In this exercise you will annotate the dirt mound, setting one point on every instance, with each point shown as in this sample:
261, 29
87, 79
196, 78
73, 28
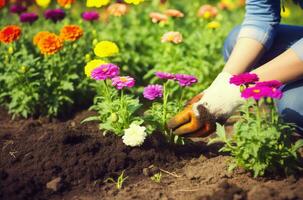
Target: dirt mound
40, 159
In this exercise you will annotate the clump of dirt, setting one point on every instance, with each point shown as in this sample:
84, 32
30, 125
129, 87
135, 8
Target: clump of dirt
41, 159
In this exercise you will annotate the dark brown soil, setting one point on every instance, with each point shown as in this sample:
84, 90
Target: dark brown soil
34, 152
37, 153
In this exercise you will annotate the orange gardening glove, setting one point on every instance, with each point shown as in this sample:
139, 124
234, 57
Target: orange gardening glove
190, 124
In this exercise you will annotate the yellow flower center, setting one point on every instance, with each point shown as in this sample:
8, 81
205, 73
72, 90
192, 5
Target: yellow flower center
256, 91
105, 69
123, 79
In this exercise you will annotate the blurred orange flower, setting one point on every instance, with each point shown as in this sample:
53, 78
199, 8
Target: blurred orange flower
50, 44
174, 37
65, 3
10, 33
38, 36
71, 32
158, 17
207, 11
173, 13
117, 9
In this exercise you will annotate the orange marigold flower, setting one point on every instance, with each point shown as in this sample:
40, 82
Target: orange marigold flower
40, 35
50, 44
158, 17
65, 3
117, 9
173, 13
71, 32
10, 33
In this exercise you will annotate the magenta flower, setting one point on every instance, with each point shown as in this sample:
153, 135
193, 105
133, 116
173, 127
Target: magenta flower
123, 81
105, 71
185, 80
17, 9
165, 75
244, 79
151, 92
55, 14
258, 92
28, 17
272, 84
90, 16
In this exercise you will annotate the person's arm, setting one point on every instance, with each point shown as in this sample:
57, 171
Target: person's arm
256, 35
287, 67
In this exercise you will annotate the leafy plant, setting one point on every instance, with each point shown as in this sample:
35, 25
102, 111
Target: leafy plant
261, 141
119, 182
156, 177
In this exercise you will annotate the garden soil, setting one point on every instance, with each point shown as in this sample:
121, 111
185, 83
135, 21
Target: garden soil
53, 159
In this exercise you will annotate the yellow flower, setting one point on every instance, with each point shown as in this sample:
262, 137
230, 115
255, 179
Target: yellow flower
96, 3
90, 66
10, 50
43, 3
106, 49
213, 25
136, 2
285, 13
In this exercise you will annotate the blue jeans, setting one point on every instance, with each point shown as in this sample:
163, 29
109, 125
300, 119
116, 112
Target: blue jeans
290, 106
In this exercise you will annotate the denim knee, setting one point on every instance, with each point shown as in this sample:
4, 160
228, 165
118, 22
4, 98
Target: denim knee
290, 107
230, 42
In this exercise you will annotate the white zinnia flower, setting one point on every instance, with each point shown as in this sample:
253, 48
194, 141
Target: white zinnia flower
134, 135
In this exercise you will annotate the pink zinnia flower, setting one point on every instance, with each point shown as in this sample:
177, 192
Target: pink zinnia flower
244, 79
186, 80
165, 75
258, 92
158, 17
152, 92
273, 84
123, 81
105, 71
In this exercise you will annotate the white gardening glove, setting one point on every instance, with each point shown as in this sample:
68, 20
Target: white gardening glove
221, 99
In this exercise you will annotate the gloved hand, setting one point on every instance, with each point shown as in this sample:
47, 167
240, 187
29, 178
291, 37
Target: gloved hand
216, 103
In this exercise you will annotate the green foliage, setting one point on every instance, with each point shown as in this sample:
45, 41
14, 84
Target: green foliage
260, 142
119, 182
157, 177
116, 111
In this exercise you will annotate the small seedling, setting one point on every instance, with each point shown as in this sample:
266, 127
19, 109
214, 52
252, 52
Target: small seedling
156, 177
119, 182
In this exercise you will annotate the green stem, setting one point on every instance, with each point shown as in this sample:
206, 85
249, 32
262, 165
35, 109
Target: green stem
258, 116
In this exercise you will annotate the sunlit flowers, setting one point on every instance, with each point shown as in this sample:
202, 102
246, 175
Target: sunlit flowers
71, 32
207, 11
97, 3
152, 92
134, 135
258, 92
121, 82
173, 37
28, 17
106, 49
49, 43
105, 71
65, 3
173, 13
213, 25
136, 2
158, 17
117, 9
54, 15
244, 79
90, 16
91, 65
185, 80
39, 36
43, 3
10, 34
